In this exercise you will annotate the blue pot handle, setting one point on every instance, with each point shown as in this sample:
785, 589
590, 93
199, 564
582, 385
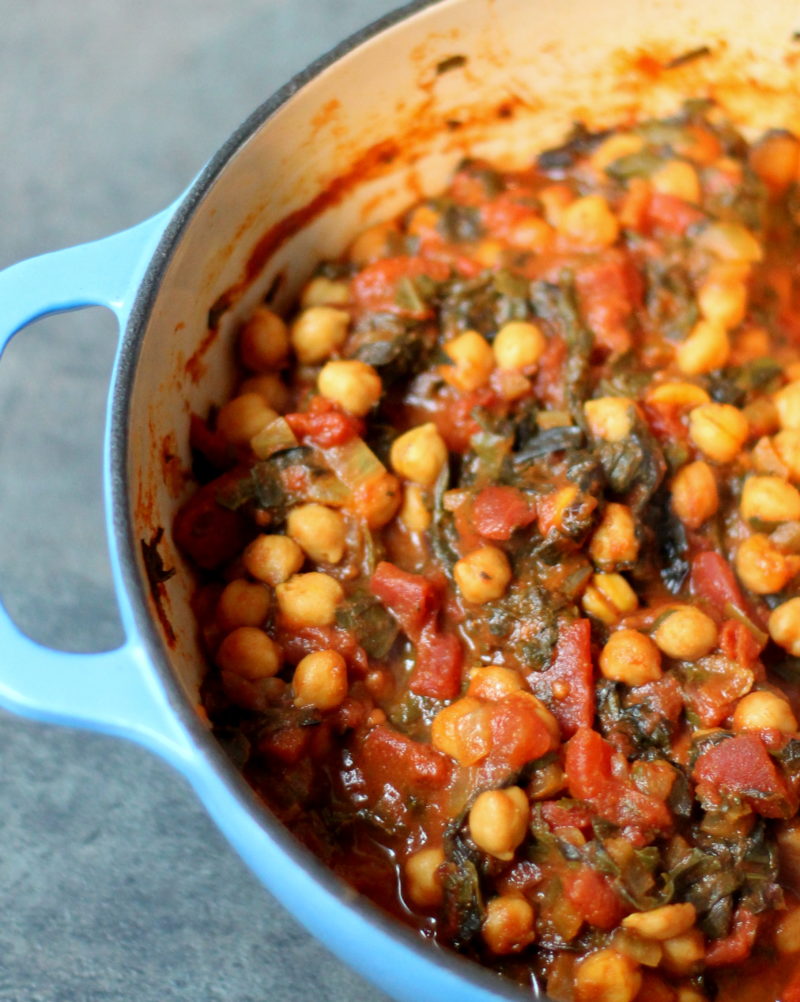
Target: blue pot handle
116, 691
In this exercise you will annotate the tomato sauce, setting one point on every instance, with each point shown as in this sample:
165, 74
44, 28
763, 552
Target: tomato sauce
498, 550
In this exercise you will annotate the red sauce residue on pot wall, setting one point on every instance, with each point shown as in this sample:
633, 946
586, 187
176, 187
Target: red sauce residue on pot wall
377, 158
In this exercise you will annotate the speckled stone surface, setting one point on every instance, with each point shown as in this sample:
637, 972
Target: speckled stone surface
114, 884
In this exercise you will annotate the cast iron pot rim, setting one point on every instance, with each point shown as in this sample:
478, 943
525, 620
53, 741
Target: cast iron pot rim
207, 747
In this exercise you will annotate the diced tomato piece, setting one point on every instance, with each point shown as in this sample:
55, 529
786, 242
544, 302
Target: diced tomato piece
604, 295
740, 645
549, 384
207, 531
456, 422
593, 896
666, 421
669, 213
566, 814
375, 286
498, 511
663, 698
742, 766
325, 424
572, 703
588, 765
411, 598
713, 580
388, 758
440, 657
504, 213
519, 735
737, 945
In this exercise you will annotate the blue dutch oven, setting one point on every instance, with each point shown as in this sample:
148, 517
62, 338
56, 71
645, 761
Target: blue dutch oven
355, 138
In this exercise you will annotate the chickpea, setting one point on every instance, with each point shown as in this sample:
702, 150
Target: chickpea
787, 932
419, 454
318, 332
730, 243
620, 144
354, 385
483, 575
762, 710
462, 730
662, 923
518, 345
775, 160
309, 599
532, 234
509, 924
423, 879
414, 512
271, 387
373, 243
377, 500
473, 361
243, 417
242, 603
263, 341
273, 559
630, 657
723, 304
686, 634
609, 597
554, 199
695, 498
706, 348
718, 430
679, 179
610, 418
607, 976
787, 447
321, 291
250, 653
784, 626
762, 567
686, 993
614, 542
683, 955
589, 222
498, 821
678, 394
493, 683
770, 499
787, 401
319, 531
320, 680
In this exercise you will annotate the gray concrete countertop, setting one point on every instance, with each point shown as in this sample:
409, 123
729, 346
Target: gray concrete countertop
114, 884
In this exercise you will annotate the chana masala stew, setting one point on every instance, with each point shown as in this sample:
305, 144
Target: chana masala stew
498, 551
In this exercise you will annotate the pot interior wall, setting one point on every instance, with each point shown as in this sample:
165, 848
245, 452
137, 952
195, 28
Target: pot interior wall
381, 126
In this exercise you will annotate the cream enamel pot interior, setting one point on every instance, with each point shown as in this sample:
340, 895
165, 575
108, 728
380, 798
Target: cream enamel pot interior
378, 122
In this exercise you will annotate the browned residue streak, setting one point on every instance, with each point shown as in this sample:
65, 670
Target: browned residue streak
195, 366
175, 477
377, 158
157, 575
